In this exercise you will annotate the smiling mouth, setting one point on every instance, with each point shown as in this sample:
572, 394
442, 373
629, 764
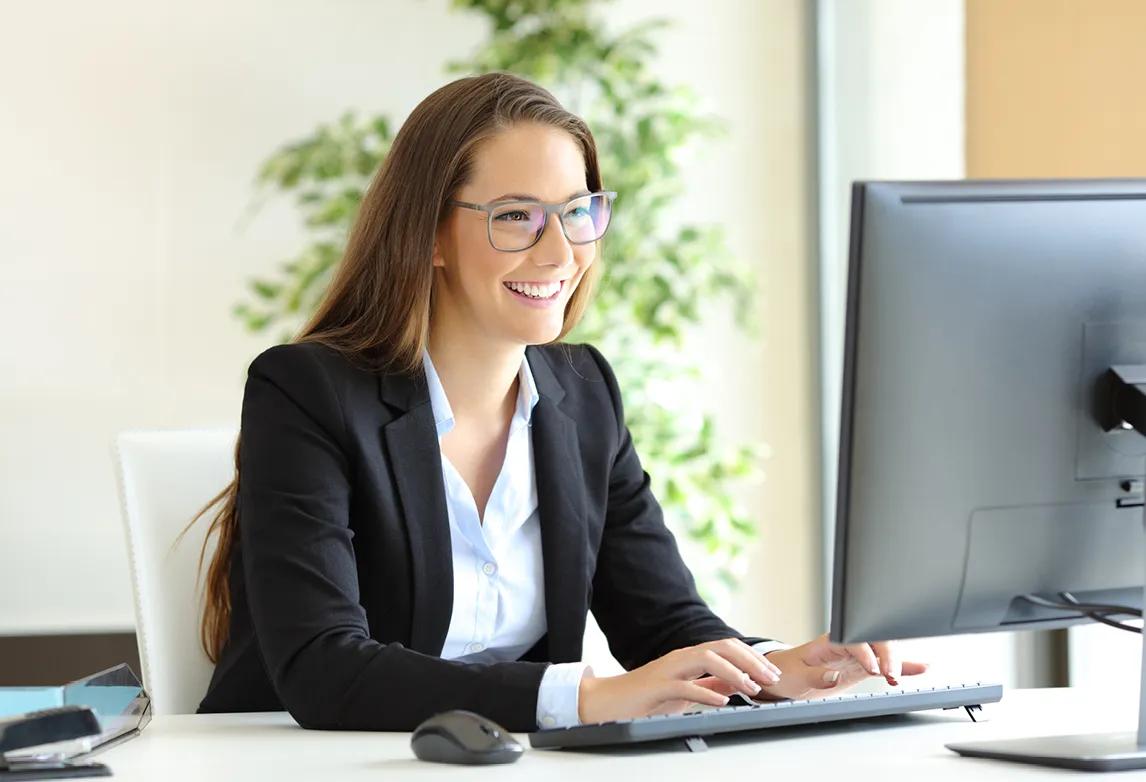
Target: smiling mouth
546, 292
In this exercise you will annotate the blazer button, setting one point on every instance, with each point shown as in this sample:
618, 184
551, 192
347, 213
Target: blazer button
489, 568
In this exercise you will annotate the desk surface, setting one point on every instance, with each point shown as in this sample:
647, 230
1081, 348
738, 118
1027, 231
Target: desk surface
272, 746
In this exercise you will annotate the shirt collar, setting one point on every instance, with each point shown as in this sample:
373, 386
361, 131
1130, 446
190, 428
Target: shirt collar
527, 396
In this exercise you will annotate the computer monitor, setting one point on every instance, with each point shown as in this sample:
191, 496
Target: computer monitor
988, 457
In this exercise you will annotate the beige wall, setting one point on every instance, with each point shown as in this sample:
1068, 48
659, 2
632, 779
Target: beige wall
783, 588
1055, 88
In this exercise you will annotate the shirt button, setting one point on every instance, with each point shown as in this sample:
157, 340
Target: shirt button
489, 568
548, 721
475, 647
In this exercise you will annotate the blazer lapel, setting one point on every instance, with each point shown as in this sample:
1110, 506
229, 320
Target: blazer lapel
414, 456
561, 509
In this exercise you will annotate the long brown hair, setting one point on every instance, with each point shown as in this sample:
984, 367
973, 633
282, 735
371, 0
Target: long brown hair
376, 311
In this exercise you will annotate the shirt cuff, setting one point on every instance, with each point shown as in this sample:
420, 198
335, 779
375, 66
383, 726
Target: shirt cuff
558, 696
770, 646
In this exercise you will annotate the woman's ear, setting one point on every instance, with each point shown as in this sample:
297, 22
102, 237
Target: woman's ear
437, 258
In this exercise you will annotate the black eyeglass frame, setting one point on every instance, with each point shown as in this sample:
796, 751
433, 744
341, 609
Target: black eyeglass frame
549, 207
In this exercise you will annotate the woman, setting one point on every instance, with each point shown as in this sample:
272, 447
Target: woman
432, 493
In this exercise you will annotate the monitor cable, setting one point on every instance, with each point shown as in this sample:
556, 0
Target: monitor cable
1099, 612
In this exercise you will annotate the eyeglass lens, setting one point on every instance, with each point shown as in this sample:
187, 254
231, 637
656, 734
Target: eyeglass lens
516, 225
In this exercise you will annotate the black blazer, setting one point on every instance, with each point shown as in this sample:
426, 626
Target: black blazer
342, 577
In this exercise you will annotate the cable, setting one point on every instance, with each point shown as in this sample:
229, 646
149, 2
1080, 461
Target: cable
1074, 605
1101, 618
1068, 597
1097, 612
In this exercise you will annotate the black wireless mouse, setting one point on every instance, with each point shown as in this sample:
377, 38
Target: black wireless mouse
461, 736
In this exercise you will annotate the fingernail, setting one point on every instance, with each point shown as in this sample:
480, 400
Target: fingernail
831, 677
874, 670
753, 687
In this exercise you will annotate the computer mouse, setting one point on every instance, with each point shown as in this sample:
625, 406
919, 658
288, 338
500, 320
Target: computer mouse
461, 736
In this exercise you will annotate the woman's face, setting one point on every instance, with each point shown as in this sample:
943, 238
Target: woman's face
473, 281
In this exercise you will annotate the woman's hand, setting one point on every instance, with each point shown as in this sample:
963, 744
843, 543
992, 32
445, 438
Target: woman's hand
709, 672
706, 673
821, 665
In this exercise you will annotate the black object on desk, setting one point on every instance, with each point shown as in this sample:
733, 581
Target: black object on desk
464, 737
48, 726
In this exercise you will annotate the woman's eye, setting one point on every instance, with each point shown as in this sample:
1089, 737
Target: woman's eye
514, 216
579, 212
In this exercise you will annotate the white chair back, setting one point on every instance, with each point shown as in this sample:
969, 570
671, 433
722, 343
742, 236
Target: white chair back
165, 478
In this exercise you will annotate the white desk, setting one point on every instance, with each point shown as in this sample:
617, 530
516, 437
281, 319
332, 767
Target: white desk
271, 747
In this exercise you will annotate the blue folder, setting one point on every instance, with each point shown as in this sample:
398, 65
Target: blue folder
115, 695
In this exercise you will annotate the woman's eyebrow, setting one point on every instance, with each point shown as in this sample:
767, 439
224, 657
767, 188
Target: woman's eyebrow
530, 197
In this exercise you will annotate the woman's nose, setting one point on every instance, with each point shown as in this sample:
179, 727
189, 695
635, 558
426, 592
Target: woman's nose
553, 249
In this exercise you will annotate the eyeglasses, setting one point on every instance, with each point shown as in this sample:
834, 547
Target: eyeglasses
517, 225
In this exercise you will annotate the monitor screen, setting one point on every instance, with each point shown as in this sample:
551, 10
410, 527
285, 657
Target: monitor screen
975, 466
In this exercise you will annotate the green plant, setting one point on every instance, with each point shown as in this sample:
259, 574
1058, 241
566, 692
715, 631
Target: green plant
657, 273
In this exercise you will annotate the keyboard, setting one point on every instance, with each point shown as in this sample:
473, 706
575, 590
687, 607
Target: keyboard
692, 725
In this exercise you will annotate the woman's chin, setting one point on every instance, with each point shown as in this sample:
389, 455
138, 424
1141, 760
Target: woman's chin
538, 335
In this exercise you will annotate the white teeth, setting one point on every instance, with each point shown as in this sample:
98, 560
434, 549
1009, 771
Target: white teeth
535, 291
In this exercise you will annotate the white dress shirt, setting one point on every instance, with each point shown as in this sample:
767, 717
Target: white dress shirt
499, 598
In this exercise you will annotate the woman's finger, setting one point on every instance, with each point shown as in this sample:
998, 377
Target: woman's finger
693, 662
757, 655
889, 663
690, 691
760, 669
913, 668
817, 678
865, 656
716, 685
717, 665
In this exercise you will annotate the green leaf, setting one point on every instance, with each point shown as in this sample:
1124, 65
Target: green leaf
266, 290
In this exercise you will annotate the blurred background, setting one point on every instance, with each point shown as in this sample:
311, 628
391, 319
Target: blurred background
151, 237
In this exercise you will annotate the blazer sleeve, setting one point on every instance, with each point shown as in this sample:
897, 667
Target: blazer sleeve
644, 597
301, 576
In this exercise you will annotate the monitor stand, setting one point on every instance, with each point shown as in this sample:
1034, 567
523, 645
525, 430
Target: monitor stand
1087, 751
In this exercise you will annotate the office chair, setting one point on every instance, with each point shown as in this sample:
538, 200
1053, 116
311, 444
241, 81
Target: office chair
164, 478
